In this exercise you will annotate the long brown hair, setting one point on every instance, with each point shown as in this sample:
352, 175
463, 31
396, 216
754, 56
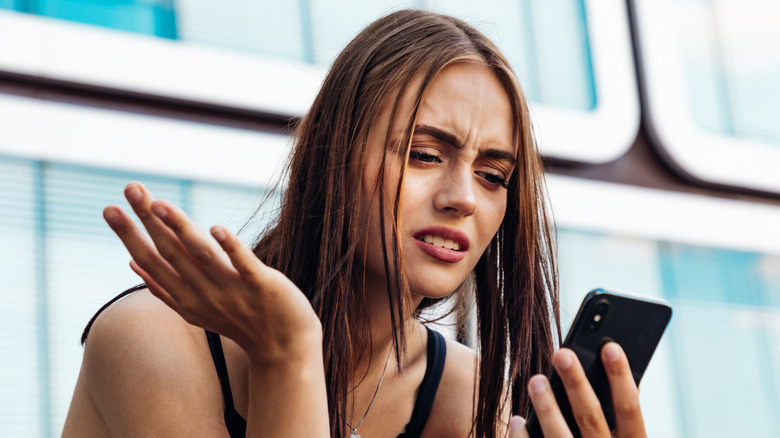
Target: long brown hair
314, 239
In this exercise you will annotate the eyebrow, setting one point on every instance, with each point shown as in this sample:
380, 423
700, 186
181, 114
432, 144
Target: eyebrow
453, 141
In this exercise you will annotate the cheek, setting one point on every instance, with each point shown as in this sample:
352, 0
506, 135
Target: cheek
497, 205
500, 212
494, 212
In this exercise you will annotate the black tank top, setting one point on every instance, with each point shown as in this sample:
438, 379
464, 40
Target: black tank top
437, 352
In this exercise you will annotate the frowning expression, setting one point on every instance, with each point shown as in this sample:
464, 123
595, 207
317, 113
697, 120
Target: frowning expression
454, 193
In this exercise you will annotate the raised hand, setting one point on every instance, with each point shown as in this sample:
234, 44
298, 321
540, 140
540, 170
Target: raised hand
585, 405
223, 288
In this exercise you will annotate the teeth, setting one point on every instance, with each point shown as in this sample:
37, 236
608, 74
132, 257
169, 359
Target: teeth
440, 241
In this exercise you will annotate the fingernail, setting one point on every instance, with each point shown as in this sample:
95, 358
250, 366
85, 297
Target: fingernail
160, 211
132, 193
563, 361
611, 352
218, 233
110, 215
516, 422
538, 384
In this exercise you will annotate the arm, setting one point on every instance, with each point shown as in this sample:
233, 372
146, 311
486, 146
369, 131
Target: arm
226, 289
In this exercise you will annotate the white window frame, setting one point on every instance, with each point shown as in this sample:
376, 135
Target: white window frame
92, 55
699, 155
659, 215
47, 130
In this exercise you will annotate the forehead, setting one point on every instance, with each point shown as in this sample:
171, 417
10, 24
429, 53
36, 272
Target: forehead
469, 95
466, 99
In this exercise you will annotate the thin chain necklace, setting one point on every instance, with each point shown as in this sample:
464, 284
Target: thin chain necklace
354, 433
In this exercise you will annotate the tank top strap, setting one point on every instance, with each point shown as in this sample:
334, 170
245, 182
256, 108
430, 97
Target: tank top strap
236, 425
437, 353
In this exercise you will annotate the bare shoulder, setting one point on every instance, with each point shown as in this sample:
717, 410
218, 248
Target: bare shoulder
146, 372
452, 409
143, 331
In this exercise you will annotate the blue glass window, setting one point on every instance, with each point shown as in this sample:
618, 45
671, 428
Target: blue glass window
151, 17
725, 339
60, 262
547, 41
732, 65
721, 352
22, 328
275, 29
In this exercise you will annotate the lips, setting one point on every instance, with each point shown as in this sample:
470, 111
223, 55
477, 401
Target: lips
442, 243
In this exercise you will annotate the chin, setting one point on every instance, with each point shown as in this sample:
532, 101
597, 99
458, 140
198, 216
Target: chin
433, 288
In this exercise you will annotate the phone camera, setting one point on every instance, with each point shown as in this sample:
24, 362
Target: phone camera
597, 317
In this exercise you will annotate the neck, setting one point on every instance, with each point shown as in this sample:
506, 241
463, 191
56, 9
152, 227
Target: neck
381, 329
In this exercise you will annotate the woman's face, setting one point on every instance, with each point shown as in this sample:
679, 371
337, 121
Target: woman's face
453, 197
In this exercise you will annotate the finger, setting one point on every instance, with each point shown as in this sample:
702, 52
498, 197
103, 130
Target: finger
141, 248
162, 294
585, 405
625, 396
517, 428
168, 245
546, 407
242, 258
208, 256
154, 287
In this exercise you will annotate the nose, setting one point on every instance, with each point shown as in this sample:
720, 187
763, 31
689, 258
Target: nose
455, 193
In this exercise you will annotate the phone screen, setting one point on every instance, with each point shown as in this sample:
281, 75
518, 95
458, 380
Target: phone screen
635, 323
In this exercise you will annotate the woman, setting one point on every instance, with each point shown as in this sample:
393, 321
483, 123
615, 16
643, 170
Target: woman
414, 178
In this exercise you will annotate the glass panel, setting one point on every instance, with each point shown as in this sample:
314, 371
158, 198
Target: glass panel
727, 322
63, 245
335, 23
86, 263
23, 389
564, 76
234, 207
732, 65
721, 352
152, 17
244, 25
594, 260
10, 4
546, 41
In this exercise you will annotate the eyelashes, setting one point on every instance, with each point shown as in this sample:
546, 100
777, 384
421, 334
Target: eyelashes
426, 158
423, 157
494, 178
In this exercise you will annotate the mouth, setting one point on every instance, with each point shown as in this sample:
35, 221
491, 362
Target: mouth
442, 243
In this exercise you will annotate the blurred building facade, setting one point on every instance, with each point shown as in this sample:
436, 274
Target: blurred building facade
657, 120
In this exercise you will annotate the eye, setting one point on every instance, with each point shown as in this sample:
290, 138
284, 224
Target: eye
423, 157
494, 178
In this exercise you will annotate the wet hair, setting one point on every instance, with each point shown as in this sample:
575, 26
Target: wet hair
322, 216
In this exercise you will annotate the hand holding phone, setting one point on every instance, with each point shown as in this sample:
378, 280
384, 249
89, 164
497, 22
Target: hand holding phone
635, 323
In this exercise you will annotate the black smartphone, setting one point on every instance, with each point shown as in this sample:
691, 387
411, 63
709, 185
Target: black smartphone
635, 323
